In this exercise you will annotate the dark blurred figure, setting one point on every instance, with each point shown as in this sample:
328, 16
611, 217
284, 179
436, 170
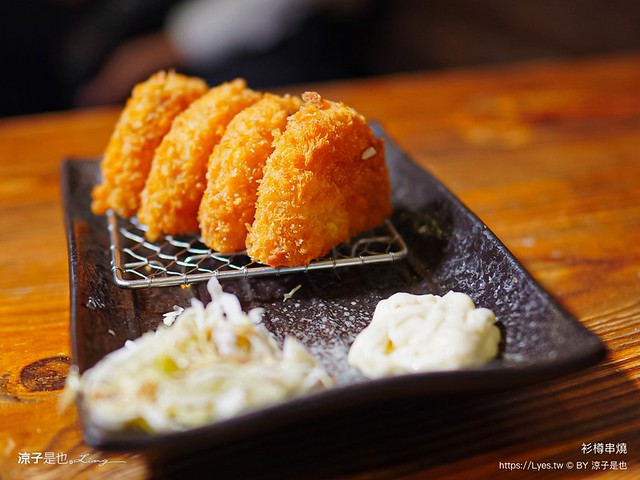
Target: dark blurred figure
49, 48
56, 54
269, 43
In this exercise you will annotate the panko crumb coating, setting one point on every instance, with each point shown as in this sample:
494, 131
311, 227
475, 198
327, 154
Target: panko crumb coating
145, 120
235, 170
177, 179
325, 181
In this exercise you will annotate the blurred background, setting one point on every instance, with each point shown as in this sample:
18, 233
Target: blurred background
62, 54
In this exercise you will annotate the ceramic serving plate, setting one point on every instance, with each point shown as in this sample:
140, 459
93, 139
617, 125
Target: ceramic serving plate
449, 248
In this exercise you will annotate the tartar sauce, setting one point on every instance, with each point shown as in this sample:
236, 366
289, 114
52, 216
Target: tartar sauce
415, 333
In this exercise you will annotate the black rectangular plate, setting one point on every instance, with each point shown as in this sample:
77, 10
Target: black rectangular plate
449, 249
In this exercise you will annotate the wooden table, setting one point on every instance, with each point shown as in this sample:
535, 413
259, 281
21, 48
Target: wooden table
547, 154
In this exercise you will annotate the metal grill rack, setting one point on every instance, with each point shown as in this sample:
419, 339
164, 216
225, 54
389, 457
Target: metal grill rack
138, 263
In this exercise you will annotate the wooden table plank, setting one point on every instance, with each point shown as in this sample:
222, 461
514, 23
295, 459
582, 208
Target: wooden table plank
545, 153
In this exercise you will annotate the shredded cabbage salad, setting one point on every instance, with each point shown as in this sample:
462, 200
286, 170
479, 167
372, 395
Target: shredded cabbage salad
213, 362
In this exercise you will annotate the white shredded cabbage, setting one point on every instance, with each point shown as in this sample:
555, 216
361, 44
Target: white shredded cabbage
212, 363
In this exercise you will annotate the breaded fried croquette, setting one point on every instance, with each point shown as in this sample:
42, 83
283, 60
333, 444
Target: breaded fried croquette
235, 169
177, 180
144, 121
325, 181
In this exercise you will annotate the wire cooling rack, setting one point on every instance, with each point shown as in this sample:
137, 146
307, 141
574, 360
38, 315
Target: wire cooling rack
138, 263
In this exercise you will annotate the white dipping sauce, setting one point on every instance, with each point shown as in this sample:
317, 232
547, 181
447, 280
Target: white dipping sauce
416, 333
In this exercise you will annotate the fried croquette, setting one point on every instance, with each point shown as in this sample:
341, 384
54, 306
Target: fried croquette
235, 169
144, 121
177, 179
325, 181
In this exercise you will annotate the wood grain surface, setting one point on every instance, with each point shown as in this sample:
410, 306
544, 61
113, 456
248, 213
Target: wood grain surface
545, 153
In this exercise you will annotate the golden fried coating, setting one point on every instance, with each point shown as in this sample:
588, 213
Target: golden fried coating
177, 180
144, 121
235, 169
325, 181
